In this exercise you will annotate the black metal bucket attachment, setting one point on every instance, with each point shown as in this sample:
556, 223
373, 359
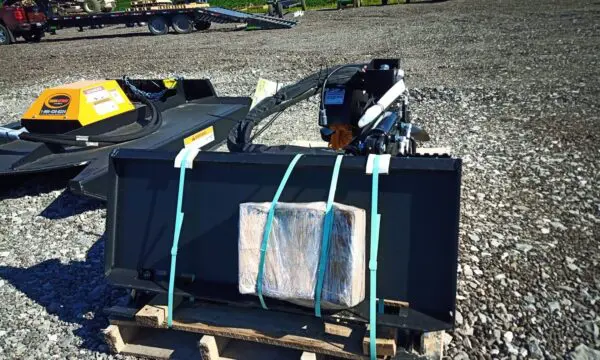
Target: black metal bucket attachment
419, 203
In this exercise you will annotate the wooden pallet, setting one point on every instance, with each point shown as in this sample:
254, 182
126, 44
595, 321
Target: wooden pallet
213, 331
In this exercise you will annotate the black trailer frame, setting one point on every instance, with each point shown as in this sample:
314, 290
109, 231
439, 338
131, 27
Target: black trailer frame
160, 20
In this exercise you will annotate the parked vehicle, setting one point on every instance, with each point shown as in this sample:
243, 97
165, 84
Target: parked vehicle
21, 19
31, 18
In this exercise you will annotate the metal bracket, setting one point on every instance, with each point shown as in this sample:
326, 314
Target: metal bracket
189, 163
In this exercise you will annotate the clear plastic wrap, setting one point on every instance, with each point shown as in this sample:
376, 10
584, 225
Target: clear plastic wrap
294, 249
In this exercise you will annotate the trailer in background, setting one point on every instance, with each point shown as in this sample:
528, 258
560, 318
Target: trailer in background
182, 19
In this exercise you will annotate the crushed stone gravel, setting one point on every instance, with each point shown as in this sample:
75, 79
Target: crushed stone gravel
513, 87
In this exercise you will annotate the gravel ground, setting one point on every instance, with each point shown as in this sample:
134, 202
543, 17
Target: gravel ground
512, 86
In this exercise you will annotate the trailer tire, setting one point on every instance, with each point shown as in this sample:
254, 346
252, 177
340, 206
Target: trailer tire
158, 25
92, 6
5, 35
202, 25
182, 24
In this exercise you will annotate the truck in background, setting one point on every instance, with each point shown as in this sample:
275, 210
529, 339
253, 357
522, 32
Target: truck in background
21, 19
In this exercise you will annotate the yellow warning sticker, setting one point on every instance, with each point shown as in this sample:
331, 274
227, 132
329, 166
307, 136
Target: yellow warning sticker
200, 138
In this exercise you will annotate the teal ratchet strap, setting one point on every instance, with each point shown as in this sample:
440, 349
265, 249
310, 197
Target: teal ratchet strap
265, 240
375, 222
178, 223
327, 227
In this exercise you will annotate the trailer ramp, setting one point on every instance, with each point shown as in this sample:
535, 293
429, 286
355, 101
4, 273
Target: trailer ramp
224, 16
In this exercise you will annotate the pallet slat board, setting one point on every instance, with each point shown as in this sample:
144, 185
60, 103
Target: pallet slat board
213, 331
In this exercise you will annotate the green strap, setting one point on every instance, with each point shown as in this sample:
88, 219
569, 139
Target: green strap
327, 227
267, 232
178, 222
375, 222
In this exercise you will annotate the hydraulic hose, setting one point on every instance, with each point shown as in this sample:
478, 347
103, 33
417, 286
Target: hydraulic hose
240, 136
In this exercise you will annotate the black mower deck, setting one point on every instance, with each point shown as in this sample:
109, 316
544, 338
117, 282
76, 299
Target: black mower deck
184, 114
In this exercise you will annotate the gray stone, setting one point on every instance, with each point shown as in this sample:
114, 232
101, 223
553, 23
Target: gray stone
592, 328
535, 352
461, 356
524, 247
467, 271
474, 237
508, 337
458, 317
582, 352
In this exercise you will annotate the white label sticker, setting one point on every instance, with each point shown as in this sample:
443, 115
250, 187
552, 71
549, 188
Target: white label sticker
105, 107
116, 96
96, 94
334, 96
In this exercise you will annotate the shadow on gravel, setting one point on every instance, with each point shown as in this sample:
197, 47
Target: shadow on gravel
130, 35
392, 2
98, 37
69, 204
65, 205
75, 292
14, 187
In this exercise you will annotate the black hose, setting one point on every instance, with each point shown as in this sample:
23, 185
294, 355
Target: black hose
240, 136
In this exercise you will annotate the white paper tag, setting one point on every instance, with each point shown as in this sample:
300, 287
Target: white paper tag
116, 96
96, 94
105, 107
264, 88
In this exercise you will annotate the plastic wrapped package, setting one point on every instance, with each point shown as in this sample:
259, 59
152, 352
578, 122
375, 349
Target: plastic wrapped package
294, 249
